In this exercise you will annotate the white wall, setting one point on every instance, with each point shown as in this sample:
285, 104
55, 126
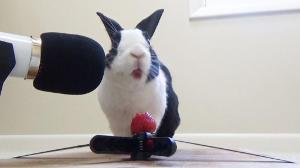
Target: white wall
232, 75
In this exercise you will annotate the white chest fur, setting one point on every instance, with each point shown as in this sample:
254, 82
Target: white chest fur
122, 99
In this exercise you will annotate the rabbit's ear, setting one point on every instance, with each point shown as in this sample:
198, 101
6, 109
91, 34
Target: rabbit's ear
111, 25
150, 23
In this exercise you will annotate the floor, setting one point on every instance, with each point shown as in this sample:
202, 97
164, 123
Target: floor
187, 155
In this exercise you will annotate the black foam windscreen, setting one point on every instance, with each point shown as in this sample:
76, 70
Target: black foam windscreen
70, 64
7, 61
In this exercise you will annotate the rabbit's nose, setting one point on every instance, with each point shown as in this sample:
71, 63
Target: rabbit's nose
139, 56
137, 53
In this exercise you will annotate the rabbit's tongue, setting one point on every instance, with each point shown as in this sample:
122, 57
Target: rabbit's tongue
137, 74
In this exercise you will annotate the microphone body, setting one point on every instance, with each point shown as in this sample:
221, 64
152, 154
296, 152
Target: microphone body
27, 52
58, 62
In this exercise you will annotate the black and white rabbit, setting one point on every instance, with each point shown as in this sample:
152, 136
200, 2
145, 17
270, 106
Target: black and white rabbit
135, 80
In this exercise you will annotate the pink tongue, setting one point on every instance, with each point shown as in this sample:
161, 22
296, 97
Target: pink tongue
137, 73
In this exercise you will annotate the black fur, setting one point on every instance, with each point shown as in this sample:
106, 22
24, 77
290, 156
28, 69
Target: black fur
110, 56
155, 66
171, 119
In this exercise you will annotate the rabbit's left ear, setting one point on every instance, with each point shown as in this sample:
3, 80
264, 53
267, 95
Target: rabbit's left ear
150, 23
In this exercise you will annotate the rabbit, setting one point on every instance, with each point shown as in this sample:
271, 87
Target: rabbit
135, 80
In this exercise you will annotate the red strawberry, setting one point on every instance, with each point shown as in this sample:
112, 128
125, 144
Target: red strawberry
142, 123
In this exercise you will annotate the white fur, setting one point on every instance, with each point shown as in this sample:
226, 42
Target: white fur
121, 96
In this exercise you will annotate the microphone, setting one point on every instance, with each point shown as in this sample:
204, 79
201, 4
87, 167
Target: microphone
57, 62
140, 146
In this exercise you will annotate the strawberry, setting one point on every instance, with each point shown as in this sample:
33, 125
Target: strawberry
142, 122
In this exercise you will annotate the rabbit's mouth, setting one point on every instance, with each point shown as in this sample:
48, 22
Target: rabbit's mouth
137, 73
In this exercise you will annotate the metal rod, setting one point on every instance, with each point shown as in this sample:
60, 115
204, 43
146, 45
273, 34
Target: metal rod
236, 151
54, 150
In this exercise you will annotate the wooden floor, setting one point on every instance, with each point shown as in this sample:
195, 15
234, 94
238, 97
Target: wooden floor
186, 156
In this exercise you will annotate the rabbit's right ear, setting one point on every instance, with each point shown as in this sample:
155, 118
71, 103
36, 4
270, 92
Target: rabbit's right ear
111, 26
